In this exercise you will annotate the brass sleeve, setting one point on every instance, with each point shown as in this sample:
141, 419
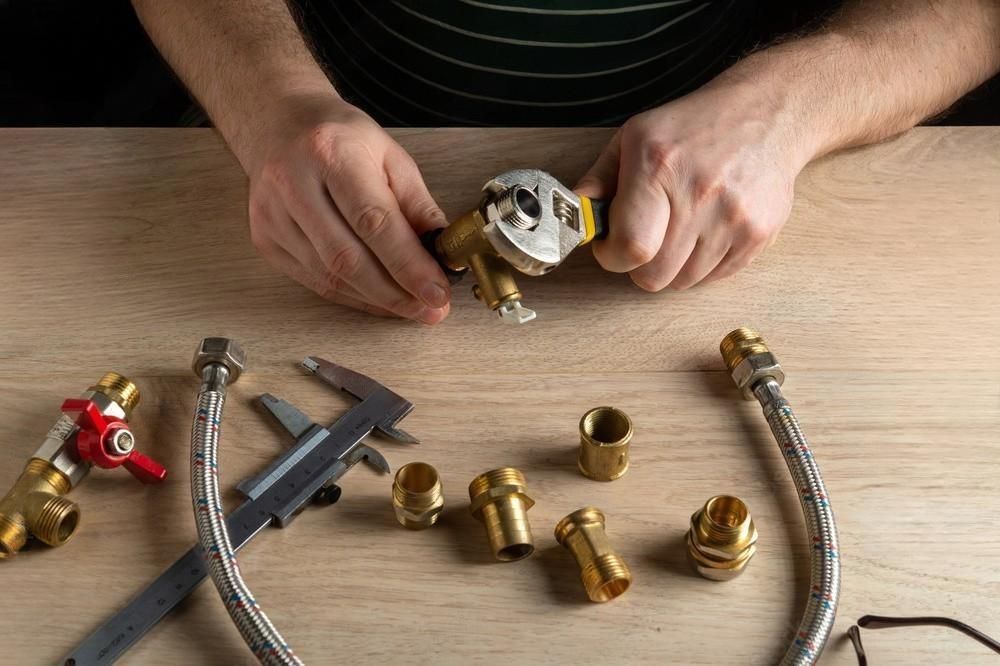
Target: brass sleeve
605, 439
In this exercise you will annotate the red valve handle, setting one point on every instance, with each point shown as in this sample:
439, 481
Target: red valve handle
94, 438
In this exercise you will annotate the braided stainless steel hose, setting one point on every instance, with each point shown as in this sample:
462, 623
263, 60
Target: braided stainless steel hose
758, 375
217, 361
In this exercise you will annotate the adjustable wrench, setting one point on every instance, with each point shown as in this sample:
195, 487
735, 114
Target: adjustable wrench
307, 472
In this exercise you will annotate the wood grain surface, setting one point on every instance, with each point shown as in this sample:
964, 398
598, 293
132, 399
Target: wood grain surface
123, 248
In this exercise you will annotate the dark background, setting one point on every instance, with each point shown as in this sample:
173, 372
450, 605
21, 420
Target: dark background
72, 63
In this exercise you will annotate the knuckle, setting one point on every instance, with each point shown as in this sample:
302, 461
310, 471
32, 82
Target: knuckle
638, 251
342, 262
647, 282
662, 159
706, 190
371, 221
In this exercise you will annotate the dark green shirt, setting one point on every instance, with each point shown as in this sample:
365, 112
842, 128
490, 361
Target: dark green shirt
523, 62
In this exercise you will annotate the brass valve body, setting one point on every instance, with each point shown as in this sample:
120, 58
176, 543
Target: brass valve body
722, 538
500, 500
605, 437
464, 245
35, 505
416, 496
604, 573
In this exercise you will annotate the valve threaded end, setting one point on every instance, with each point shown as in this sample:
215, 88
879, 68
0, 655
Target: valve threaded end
13, 536
725, 519
740, 344
57, 521
504, 476
606, 577
120, 389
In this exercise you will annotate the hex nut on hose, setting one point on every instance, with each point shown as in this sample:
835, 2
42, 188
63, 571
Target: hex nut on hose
416, 496
749, 360
222, 351
722, 538
500, 501
603, 572
605, 439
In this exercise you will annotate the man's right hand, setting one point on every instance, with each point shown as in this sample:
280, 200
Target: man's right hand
338, 205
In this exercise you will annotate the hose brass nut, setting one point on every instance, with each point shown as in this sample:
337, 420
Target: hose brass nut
605, 438
722, 538
604, 573
417, 496
500, 501
749, 360
222, 351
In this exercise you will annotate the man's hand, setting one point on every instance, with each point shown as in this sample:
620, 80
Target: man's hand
338, 205
701, 186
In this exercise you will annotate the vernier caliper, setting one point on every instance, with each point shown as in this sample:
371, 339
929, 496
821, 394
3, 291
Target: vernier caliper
307, 472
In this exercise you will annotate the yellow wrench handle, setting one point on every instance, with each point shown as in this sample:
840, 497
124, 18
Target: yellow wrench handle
595, 218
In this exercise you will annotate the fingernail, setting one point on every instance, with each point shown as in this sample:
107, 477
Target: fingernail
434, 295
431, 315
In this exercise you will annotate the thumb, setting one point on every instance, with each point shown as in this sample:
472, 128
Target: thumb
601, 180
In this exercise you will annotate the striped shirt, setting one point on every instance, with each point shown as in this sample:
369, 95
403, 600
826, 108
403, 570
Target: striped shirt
523, 62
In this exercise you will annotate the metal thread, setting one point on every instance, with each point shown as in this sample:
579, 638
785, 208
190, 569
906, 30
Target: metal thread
505, 476
512, 213
739, 344
725, 519
564, 211
606, 577
120, 389
13, 536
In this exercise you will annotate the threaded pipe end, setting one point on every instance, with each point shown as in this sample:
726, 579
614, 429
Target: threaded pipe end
739, 344
120, 389
13, 536
725, 519
519, 207
503, 476
606, 577
57, 521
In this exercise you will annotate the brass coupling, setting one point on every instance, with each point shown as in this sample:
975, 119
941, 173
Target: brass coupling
722, 538
604, 573
36, 506
500, 501
416, 496
605, 437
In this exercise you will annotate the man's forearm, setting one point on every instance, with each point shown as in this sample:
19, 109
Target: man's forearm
240, 58
877, 68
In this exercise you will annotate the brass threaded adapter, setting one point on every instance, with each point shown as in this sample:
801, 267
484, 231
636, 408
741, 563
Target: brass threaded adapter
749, 360
35, 505
120, 389
603, 572
500, 501
722, 538
605, 439
416, 496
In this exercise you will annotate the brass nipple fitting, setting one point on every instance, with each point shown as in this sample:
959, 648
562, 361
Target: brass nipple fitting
417, 496
749, 360
722, 538
605, 435
603, 572
500, 500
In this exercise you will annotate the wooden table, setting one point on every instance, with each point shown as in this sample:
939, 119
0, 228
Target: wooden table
123, 248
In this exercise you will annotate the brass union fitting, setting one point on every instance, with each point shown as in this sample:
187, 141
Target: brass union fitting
416, 496
603, 572
749, 360
500, 500
605, 435
722, 538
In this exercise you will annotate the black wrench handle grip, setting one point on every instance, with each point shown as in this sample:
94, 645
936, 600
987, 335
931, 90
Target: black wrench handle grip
429, 240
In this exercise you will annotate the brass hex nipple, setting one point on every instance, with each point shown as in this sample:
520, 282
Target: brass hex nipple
605, 434
749, 360
500, 500
416, 496
722, 538
603, 572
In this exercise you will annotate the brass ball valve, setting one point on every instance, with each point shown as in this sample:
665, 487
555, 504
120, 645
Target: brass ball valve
93, 430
